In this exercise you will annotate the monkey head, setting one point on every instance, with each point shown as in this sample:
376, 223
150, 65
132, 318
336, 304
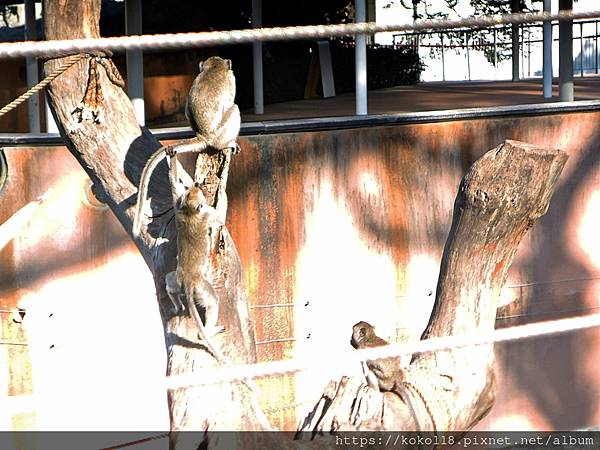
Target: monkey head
214, 62
363, 335
193, 200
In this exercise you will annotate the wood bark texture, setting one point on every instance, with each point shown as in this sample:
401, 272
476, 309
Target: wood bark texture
499, 199
113, 152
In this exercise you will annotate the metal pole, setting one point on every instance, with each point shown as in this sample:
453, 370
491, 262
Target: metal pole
547, 50
443, 58
257, 60
528, 52
565, 54
515, 7
31, 64
522, 51
51, 126
596, 46
495, 51
360, 52
581, 49
468, 56
135, 60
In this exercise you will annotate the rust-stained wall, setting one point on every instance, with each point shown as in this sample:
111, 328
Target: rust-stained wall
332, 227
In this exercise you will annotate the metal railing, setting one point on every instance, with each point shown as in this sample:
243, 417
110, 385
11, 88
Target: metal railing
499, 38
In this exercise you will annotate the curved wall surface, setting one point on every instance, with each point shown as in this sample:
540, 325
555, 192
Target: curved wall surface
332, 227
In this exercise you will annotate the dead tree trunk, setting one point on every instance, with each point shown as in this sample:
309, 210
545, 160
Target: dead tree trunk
499, 199
106, 140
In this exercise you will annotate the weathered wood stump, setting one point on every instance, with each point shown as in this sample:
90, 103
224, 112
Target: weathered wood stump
499, 199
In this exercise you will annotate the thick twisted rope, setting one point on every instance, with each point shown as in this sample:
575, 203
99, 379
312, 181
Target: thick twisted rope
42, 84
340, 364
207, 39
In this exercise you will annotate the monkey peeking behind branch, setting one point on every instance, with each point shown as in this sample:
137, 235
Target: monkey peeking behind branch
387, 374
381, 374
213, 116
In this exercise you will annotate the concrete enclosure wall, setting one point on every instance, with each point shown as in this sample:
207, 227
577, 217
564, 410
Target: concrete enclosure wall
332, 227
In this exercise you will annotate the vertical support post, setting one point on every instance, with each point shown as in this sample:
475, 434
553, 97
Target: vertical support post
495, 50
135, 60
360, 65
515, 7
468, 56
51, 126
581, 55
31, 64
596, 47
257, 60
565, 54
443, 57
522, 50
547, 50
528, 52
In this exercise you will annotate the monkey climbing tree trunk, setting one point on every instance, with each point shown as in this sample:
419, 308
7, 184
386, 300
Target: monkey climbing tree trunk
98, 125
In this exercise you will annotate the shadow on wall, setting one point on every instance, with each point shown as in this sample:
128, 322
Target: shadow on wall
396, 186
391, 190
555, 372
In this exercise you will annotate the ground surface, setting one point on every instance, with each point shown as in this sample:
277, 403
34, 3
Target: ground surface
427, 97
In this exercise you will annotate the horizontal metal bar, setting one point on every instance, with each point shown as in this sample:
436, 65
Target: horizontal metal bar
541, 283
340, 122
274, 341
274, 305
497, 27
20, 344
548, 313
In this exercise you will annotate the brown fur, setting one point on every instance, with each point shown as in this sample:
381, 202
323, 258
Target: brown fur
381, 374
213, 116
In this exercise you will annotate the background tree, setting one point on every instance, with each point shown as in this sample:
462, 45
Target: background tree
482, 39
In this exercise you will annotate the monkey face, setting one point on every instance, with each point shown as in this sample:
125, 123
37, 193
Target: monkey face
360, 332
193, 200
363, 335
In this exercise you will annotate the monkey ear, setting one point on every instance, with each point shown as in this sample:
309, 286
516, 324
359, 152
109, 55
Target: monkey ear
228, 63
201, 66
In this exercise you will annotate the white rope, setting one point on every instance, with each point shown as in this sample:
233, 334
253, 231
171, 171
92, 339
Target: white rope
206, 39
339, 364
